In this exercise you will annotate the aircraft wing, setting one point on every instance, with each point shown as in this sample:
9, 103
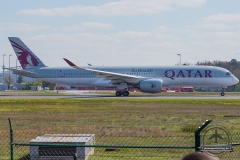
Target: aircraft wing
108, 75
21, 72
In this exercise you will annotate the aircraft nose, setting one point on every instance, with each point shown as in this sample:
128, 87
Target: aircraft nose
235, 80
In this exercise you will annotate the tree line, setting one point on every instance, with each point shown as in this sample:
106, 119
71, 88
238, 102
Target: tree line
9, 80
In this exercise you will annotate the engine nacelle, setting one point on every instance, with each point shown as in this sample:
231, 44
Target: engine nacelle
151, 85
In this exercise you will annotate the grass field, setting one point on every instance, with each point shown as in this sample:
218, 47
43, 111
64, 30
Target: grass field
165, 115
118, 121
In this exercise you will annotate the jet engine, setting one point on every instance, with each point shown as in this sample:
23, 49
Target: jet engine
151, 85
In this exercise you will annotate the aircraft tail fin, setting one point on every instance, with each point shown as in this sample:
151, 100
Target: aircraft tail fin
25, 56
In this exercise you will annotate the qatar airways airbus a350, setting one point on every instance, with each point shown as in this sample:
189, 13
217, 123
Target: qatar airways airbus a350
148, 79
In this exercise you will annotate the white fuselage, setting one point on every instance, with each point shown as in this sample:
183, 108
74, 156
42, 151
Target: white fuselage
199, 76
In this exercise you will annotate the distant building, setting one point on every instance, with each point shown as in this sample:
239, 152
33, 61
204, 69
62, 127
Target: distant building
36, 88
20, 86
1, 76
3, 87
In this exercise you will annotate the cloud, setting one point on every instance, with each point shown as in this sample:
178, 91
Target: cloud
215, 35
219, 22
81, 39
22, 27
120, 8
131, 34
88, 25
223, 18
167, 44
209, 25
97, 25
228, 43
135, 45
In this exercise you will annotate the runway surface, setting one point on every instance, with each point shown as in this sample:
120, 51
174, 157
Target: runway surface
107, 97
83, 95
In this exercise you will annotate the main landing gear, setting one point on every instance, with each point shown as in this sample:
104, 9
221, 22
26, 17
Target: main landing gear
120, 93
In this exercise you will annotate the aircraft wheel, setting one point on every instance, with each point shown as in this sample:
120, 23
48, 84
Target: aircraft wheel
118, 93
126, 93
222, 94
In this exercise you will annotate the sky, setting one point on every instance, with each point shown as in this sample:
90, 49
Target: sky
122, 32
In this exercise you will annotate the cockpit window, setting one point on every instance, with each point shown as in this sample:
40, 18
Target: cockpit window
228, 73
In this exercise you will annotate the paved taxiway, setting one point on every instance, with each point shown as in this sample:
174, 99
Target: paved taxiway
76, 95
107, 97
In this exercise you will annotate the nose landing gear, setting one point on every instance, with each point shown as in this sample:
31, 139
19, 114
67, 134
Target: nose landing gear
222, 92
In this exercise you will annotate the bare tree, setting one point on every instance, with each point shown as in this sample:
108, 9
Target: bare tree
8, 80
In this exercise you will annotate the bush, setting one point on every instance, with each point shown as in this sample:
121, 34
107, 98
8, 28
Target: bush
189, 128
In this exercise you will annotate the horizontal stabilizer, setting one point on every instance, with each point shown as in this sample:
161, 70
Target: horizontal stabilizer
21, 72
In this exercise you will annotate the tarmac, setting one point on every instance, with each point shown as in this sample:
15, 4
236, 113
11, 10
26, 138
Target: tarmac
83, 94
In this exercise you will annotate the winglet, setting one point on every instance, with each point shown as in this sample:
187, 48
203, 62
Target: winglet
69, 62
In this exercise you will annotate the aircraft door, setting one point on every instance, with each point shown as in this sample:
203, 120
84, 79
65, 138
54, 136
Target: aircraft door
55, 73
215, 75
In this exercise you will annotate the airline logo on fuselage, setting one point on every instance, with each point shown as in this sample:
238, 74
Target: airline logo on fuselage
187, 73
153, 85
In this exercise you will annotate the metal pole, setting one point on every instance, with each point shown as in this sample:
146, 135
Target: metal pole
74, 157
16, 69
179, 59
11, 140
9, 73
198, 135
3, 69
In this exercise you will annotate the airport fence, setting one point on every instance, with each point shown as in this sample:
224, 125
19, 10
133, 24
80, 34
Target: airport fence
25, 142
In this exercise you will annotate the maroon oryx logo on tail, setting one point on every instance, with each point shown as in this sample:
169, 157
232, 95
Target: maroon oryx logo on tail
24, 56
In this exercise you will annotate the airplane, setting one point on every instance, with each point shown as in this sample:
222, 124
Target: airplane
148, 79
